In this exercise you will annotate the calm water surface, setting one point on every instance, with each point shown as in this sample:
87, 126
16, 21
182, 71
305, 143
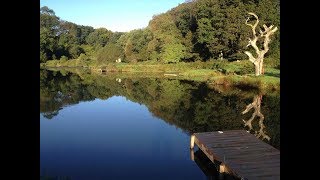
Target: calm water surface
125, 127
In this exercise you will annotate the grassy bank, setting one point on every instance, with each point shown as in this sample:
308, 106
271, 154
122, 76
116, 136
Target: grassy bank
239, 74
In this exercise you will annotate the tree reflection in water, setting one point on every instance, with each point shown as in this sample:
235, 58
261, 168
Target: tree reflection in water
189, 105
256, 105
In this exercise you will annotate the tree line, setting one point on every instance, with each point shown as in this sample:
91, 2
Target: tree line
197, 30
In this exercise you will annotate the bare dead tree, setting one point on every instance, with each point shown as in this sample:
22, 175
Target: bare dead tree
256, 104
268, 31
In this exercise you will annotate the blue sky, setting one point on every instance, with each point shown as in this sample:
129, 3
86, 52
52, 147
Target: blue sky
115, 15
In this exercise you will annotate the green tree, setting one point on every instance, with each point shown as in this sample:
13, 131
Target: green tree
110, 53
115, 37
47, 44
49, 24
195, 30
84, 33
99, 37
166, 37
173, 52
75, 51
48, 19
135, 44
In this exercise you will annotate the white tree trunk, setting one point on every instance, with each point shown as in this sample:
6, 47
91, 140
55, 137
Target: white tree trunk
258, 66
268, 31
257, 71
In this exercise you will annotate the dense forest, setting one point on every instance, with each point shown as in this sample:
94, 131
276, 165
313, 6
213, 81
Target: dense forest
197, 30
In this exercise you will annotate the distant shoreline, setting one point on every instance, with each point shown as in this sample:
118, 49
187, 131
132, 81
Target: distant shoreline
214, 73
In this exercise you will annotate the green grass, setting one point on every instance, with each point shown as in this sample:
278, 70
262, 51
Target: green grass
235, 67
262, 83
272, 72
153, 67
200, 74
237, 74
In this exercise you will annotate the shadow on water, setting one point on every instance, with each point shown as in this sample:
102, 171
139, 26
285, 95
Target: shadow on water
210, 169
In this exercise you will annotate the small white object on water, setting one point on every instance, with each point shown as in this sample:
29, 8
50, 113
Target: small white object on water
220, 132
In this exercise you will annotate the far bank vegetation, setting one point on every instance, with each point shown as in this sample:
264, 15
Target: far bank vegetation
195, 35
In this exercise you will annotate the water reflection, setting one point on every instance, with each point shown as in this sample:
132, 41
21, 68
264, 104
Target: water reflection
191, 106
186, 105
256, 105
210, 169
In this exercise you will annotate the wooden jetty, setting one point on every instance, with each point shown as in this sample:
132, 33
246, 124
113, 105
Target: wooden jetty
239, 153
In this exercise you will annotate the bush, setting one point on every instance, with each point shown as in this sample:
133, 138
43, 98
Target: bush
173, 53
83, 57
63, 58
52, 63
235, 67
244, 67
109, 53
237, 56
272, 62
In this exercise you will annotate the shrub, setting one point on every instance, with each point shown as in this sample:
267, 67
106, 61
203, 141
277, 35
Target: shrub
173, 53
83, 57
235, 67
109, 53
272, 62
63, 58
52, 63
244, 67
237, 56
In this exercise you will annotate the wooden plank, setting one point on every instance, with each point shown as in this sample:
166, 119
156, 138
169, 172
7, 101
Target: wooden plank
245, 151
241, 153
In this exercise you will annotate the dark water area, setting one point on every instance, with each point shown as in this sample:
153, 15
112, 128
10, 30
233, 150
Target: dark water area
128, 127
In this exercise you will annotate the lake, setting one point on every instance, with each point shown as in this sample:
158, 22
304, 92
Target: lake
127, 126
